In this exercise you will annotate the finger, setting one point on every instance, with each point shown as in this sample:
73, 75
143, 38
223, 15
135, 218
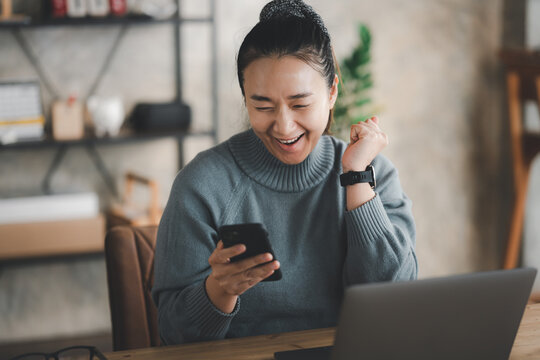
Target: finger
359, 131
257, 273
223, 256
223, 269
213, 258
372, 124
239, 283
227, 253
374, 119
355, 131
248, 284
262, 271
242, 287
365, 129
252, 262
370, 119
246, 269
366, 124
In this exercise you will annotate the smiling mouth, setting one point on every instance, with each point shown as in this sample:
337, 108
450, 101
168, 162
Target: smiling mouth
290, 141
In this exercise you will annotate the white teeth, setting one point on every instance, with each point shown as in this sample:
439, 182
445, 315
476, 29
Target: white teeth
287, 142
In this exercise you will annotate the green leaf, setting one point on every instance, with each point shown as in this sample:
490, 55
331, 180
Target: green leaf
362, 102
356, 80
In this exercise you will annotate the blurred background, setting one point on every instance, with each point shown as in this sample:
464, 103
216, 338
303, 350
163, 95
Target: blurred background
438, 86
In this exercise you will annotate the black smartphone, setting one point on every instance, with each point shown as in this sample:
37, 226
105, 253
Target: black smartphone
254, 236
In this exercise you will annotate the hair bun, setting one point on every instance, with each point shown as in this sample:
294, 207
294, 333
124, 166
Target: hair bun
291, 8
282, 9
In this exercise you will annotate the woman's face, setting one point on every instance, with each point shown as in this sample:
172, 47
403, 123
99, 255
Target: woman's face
288, 103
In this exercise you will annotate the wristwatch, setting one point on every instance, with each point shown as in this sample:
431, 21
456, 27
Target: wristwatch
355, 177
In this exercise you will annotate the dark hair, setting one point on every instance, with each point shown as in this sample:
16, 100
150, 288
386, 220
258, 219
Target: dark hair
289, 27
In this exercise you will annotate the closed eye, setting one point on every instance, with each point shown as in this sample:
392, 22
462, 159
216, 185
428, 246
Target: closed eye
263, 108
300, 106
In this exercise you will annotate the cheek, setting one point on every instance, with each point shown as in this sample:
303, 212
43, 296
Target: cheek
318, 117
254, 119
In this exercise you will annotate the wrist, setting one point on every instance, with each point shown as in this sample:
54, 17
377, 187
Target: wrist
358, 195
355, 167
222, 300
359, 177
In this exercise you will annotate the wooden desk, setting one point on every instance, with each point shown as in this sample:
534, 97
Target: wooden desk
526, 346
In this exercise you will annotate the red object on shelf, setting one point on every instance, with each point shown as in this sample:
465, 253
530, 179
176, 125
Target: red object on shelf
59, 8
118, 7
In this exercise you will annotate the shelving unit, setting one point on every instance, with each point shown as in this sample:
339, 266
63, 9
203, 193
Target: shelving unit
90, 143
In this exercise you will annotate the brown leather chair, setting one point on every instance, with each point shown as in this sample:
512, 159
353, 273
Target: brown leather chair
129, 252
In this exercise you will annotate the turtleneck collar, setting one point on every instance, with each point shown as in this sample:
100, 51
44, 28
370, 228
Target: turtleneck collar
260, 165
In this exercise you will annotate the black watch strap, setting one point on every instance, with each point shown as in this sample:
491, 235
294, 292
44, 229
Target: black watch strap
356, 177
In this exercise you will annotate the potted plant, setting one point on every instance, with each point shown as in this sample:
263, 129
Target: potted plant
354, 103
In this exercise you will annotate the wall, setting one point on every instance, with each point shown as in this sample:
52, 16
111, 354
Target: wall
438, 80
436, 76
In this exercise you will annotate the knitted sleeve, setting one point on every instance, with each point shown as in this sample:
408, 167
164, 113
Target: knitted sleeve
186, 237
381, 233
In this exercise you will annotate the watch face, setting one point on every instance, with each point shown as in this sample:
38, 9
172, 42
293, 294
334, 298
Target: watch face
374, 181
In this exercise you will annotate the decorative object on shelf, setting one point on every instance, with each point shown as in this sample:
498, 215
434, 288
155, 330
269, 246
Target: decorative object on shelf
130, 213
21, 112
68, 119
353, 101
157, 9
7, 14
98, 8
118, 7
159, 117
107, 114
58, 8
76, 8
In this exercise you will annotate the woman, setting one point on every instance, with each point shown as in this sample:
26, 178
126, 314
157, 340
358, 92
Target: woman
284, 173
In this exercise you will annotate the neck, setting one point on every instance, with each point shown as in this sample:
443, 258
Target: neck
260, 165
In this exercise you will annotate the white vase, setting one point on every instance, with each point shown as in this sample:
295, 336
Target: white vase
107, 114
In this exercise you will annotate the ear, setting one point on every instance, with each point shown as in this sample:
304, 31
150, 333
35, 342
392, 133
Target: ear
334, 91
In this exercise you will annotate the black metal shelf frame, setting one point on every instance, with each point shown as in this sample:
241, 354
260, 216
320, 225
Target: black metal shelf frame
101, 21
90, 144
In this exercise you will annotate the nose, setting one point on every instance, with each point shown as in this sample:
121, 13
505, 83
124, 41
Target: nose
284, 122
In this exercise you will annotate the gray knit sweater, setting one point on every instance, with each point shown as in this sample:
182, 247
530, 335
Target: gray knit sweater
321, 246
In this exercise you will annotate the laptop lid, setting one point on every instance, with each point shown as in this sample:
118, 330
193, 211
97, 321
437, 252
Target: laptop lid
472, 316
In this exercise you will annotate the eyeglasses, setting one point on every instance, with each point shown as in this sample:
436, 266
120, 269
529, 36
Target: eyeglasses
69, 353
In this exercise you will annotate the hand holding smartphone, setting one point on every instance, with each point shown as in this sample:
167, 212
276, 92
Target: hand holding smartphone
254, 236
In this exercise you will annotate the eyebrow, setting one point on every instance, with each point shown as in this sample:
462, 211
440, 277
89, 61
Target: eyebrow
259, 98
291, 97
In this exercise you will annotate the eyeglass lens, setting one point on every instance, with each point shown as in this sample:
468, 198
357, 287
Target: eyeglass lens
76, 354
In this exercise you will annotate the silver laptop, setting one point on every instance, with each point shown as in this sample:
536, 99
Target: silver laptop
473, 316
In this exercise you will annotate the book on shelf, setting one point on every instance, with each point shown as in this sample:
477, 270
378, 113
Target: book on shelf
42, 208
21, 113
